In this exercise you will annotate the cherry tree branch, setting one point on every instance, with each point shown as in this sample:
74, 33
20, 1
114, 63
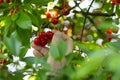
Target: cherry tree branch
46, 24
86, 14
85, 18
95, 14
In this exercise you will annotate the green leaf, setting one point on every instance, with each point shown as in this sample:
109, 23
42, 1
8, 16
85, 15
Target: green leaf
24, 21
37, 60
114, 46
34, 19
70, 57
25, 40
88, 47
7, 22
41, 75
14, 45
67, 70
31, 60
41, 2
58, 51
14, 16
27, 7
88, 67
118, 9
108, 7
27, 1
17, 76
62, 47
54, 52
107, 25
2, 56
113, 60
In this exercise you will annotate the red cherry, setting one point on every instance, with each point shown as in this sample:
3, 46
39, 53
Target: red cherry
1, 1
118, 1
113, 3
65, 12
4, 61
53, 13
109, 31
37, 41
109, 38
49, 35
55, 21
8, 1
42, 35
48, 15
43, 42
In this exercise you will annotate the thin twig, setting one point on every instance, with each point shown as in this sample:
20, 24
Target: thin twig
87, 15
85, 20
95, 14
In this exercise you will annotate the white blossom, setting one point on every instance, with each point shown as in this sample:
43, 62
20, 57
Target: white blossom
16, 65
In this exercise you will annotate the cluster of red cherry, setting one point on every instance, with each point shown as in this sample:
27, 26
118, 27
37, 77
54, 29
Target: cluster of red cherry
1, 1
43, 38
54, 14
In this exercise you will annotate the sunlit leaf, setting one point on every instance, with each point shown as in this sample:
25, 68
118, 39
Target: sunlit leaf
24, 21
24, 36
114, 46
62, 47
14, 45
14, 17
114, 59
2, 56
87, 46
41, 2
91, 65
54, 52
34, 19
7, 22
